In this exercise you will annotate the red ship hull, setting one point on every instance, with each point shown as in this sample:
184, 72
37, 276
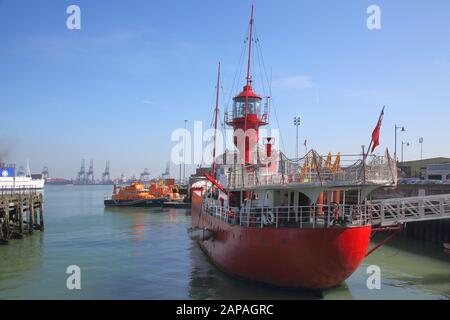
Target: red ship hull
318, 258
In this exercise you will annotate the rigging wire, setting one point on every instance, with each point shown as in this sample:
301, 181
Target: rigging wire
210, 121
263, 82
237, 73
272, 103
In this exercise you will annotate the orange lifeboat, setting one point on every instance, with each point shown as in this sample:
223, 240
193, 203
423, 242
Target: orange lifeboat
133, 192
134, 195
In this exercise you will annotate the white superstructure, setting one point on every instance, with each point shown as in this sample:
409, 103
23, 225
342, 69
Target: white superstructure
9, 181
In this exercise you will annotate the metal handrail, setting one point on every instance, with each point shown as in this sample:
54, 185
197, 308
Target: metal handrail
19, 190
379, 213
388, 212
314, 216
377, 170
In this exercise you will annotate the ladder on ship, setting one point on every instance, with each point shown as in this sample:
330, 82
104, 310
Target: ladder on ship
393, 212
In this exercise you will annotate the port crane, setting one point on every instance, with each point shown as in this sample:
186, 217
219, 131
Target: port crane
106, 175
145, 176
166, 173
90, 174
45, 174
82, 173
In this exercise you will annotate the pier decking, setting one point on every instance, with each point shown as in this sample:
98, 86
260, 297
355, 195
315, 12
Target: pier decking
21, 213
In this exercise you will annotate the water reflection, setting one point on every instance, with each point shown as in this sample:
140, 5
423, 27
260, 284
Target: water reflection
414, 267
145, 253
20, 259
208, 282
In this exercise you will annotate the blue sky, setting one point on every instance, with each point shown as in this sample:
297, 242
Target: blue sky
117, 88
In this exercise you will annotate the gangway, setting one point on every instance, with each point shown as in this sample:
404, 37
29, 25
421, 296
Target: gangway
398, 211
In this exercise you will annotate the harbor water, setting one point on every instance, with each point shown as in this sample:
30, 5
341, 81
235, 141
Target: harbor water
147, 254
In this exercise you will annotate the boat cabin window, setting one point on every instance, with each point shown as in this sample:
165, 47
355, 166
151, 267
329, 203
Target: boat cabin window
254, 107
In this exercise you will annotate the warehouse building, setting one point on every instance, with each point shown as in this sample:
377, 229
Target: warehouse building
426, 168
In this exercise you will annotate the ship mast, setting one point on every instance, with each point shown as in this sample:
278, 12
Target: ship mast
249, 62
247, 115
249, 76
215, 125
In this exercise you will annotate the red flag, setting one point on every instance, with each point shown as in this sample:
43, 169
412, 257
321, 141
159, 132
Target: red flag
376, 132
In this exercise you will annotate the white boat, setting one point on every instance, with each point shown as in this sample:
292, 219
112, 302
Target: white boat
9, 180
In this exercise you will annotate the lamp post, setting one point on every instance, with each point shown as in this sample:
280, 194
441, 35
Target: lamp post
184, 152
403, 130
421, 148
297, 121
403, 144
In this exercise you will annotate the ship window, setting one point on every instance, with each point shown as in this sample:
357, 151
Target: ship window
254, 107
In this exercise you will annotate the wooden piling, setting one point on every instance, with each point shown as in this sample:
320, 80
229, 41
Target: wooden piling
35, 217
20, 213
5, 233
3, 238
435, 232
30, 216
41, 212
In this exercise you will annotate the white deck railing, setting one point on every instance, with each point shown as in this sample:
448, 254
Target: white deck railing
379, 213
315, 216
20, 190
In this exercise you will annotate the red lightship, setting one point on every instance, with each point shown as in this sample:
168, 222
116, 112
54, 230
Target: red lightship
290, 223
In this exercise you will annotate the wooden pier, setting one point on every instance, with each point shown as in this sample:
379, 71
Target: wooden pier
21, 213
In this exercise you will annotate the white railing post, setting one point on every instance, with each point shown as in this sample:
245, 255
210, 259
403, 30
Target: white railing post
313, 216
328, 216
262, 221
248, 217
301, 217
276, 217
